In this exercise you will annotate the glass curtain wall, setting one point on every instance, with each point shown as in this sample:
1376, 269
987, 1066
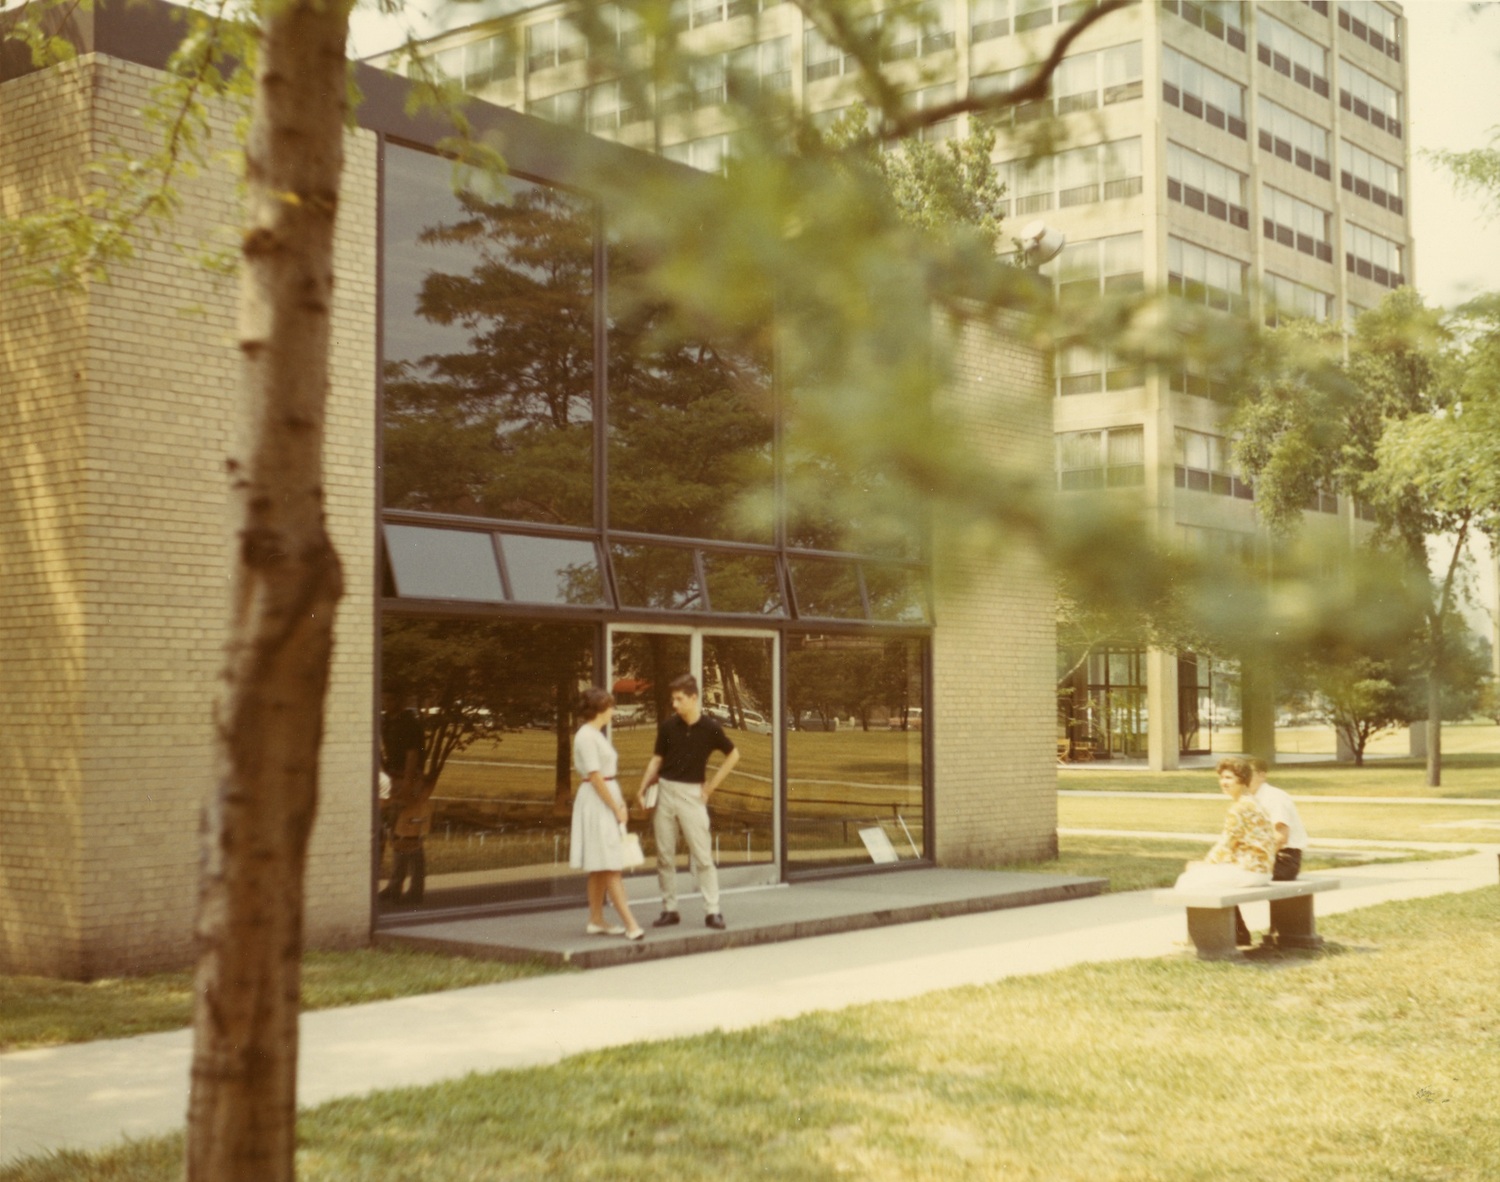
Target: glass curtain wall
532, 496
493, 704
854, 750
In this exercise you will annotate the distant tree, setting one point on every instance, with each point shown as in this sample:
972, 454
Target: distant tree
1362, 698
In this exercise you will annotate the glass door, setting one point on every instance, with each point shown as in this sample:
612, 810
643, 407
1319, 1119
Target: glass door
738, 680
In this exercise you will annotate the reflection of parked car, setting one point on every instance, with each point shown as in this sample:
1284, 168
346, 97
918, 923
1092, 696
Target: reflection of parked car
752, 720
628, 714
913, 719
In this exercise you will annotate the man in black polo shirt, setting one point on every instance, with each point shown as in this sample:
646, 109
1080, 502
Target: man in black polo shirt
679, 768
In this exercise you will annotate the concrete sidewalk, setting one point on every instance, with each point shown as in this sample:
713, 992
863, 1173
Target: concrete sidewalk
95, 1094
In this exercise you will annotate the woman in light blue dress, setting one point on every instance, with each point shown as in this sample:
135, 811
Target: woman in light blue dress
599, 817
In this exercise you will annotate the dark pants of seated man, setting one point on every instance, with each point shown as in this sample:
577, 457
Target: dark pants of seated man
1288, 866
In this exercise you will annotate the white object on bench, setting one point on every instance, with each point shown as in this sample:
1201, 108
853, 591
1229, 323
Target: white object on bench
1210, 914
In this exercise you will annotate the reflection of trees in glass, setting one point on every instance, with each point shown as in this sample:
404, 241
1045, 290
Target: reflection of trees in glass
690, 424
645, 664
836, 503
743, 583
504, 427
656, 576
864, 678
737, 672
470, 680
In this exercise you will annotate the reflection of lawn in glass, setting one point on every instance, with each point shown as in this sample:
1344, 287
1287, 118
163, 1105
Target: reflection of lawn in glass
841, 781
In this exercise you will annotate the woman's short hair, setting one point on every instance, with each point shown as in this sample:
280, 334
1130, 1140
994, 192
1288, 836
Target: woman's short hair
594, 702
686, 684
1238, 768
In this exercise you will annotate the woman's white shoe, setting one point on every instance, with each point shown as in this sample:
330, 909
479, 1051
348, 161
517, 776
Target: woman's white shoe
600, 929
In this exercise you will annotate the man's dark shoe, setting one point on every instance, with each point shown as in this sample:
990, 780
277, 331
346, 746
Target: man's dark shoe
666, 919
714, 920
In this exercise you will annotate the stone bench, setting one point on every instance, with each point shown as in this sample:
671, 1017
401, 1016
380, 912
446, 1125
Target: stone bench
1210, 914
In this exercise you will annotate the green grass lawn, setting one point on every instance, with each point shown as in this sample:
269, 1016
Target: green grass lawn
1458, 737
40, 1011
1325, 820
1376, 1062
1474, 776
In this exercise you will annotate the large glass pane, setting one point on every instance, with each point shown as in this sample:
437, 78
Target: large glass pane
493, 701
826, 589
690, 423
737, 691
552, 570
488, 345
743, 583
854, 750
663, 577
644, 664
443, 564
897, 594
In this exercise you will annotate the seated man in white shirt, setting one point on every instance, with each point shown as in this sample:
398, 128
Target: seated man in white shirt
1291, 837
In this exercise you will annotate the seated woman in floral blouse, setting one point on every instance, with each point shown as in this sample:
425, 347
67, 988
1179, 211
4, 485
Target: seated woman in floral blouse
1246, 850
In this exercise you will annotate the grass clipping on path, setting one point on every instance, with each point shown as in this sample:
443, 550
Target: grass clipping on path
1379, 1060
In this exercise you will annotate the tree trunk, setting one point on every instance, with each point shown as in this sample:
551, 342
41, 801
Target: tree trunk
1435, 720
287, 581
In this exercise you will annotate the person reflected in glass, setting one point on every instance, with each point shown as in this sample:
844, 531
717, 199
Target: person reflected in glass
1246, 849
407, 812
599, 817
679, 769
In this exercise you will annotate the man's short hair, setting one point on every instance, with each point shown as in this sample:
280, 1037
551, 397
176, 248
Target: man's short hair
1259, 766
686, 684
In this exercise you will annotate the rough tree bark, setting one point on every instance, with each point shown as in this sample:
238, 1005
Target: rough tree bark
287, 581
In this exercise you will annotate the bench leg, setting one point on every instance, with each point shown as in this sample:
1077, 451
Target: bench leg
1292, 921
1212, 931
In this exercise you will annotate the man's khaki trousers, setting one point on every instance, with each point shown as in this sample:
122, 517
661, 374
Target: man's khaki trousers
680, 806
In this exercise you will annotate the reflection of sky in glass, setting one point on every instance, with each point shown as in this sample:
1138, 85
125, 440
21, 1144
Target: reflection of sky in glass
443, 564
552, 570
418, 194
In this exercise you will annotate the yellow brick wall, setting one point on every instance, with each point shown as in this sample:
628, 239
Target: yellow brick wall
994, 648
152, 376
44, 135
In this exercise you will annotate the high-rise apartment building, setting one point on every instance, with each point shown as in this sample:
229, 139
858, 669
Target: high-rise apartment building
1249, 156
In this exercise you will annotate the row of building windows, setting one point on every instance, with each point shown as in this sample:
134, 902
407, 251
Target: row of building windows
1290, 137
1373, 256
1372, 178
1224, 19
989, 19
1201, 463
484, 566
1207, 185
1204, 276
1203, 92
1296, 223
1373, 23
1082, 83
1087, 269
1370, 99
1110, 458
1081, 176
1288, 299
1084, 369
1290, 53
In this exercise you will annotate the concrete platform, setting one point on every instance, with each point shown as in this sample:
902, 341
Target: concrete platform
755, 915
